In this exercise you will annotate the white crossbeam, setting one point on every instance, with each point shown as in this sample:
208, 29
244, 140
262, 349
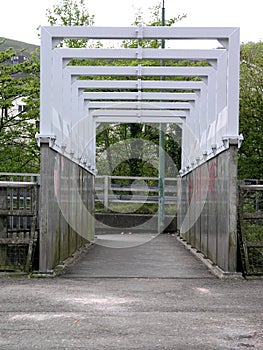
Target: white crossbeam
153, 113
142, 119
145, 96
80, 32
136, 105
139, 53
141, 84
138, 71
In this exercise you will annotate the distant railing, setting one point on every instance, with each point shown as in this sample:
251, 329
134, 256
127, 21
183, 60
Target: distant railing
136, 190
21, 177
18, 220
251, 226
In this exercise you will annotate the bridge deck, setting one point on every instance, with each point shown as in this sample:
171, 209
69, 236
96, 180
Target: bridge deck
161, 257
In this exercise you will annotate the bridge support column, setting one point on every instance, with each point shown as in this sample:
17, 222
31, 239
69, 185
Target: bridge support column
45, 244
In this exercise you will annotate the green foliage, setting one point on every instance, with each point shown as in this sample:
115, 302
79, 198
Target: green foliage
18, 147
251, 111
146, 208
127, 145
70, 13
154, 20
124, 145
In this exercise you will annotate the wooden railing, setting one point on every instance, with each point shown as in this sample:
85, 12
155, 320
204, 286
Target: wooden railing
20, 177
18, 220
123, 189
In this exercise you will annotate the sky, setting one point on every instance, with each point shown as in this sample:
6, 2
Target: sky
21, 18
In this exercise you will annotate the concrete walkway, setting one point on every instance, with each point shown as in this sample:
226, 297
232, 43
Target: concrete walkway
154, 296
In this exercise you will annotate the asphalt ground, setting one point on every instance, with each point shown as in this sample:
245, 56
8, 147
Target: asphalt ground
153, 296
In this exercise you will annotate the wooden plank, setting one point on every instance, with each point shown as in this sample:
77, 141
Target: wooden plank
251, 187
257, 215
3, 206
3, 225
14, 212
28, 265
11, 268
17, 184
258, 244
15, 240
44, 264
232, 153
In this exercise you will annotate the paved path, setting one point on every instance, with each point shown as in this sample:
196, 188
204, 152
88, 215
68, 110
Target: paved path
161, 257
161, 298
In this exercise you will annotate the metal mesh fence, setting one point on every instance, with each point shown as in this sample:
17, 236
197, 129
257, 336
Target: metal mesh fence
251, 226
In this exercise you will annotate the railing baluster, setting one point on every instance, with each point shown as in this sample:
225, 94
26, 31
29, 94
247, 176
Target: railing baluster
106, 193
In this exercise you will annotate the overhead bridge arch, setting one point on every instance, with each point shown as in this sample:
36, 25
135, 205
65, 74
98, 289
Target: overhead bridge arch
202, 98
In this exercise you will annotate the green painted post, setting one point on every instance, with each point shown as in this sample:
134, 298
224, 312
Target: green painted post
161, 176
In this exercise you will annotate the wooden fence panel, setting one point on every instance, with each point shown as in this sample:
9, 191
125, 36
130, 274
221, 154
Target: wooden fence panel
18, 224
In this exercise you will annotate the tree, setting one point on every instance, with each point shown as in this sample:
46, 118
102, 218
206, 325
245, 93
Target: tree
135, 166
18, 146
154, 21
70, 13
250, 163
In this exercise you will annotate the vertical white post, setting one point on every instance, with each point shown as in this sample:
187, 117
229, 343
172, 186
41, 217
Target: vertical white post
45, 91
106, 192
233, 84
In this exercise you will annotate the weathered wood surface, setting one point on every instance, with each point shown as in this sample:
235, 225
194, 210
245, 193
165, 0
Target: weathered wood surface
207, 216
18, 218
61, 210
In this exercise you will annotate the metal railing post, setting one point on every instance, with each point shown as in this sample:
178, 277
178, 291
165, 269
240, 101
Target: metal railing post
161, 154
106, 193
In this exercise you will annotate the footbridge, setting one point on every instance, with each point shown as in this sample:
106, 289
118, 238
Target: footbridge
87, 87
140, 85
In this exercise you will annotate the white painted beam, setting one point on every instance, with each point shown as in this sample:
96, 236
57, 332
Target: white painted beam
89, 32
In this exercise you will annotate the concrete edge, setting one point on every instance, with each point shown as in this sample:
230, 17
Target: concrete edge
60, 268
212, 267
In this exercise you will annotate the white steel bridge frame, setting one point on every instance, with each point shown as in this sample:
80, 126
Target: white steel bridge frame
206, 109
